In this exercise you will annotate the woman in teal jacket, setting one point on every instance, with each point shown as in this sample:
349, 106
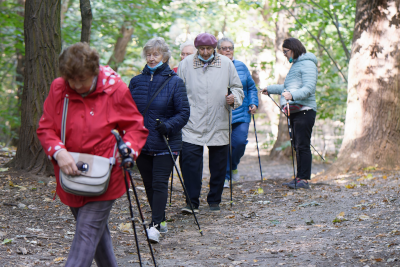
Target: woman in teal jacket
241, 117
299, 90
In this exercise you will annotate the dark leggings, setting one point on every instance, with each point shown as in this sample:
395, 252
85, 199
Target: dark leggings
302, 123
155, 171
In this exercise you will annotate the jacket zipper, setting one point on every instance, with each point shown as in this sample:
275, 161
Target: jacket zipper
151, 79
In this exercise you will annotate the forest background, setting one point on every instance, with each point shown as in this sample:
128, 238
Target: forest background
119, 29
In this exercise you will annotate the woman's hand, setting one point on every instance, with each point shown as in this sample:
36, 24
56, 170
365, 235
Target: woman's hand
252, 109
230, 99
264, 91
287, 95
67, 163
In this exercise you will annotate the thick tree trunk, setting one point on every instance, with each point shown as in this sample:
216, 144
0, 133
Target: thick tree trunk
120, 48
86, 14
42, 47
372, 131
281, 70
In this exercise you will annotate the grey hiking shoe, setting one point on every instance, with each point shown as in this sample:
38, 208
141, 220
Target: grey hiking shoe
291, 182
188, 210
163, 227
226, 184
215, 208
300, 184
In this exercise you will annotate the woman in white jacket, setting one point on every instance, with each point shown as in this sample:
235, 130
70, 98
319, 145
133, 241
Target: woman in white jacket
299, 91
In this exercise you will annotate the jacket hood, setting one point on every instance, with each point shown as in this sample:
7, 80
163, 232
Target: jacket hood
307, 56
164, 70
106, 80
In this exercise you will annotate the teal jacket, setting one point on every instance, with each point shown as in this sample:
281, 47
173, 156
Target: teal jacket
300, 82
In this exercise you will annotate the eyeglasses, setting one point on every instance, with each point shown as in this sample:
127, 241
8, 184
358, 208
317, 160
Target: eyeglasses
285, 52
186, 54
227, 48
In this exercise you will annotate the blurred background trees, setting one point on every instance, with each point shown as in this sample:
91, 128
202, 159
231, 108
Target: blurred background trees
119, 29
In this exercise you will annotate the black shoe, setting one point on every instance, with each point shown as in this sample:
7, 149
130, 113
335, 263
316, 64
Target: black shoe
188, 210
300, 184
291, 182
215, 208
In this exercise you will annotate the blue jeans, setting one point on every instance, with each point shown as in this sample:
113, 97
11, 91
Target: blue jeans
240, 130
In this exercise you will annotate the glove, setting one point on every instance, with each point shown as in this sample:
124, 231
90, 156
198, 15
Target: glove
162, 129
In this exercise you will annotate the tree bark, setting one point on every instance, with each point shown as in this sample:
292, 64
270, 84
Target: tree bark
120, 47
86, 14
42, 46
281, 70
372, 129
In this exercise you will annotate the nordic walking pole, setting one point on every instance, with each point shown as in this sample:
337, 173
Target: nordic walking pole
172, 181
283, 112
230, 147
127, 163
180, 178
291, 141
259, 160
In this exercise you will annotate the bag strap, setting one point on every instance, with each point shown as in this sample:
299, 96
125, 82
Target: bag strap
63, 126
156, 93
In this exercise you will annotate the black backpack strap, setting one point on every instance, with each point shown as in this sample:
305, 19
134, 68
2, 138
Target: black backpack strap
155, 94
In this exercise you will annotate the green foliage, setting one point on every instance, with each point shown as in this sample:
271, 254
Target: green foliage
11, 36
320, 18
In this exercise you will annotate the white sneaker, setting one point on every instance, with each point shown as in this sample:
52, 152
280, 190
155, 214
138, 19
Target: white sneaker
235, 176
154, 234
163, 227
226, 184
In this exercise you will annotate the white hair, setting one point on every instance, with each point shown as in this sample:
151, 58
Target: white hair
188, 43
158, 44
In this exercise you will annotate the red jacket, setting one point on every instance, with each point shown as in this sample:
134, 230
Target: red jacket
88, 128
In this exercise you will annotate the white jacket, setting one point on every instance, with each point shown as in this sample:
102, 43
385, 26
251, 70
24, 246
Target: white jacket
206, 90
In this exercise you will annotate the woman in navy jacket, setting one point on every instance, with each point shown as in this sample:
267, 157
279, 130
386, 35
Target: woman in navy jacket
171, 107
241, 117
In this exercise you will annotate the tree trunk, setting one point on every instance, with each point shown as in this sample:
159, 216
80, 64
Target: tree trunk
281, 70
42, 47
372, 131
120, 47
86, 14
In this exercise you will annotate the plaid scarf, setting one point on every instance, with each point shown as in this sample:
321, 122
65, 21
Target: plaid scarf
197, 63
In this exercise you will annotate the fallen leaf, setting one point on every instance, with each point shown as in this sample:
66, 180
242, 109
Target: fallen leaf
59, 259
364, 217
125, 227
384, 177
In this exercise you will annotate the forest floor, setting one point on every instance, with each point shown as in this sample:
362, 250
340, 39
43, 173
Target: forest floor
346, 220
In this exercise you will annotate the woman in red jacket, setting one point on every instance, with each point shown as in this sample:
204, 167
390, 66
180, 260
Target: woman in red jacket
99, 101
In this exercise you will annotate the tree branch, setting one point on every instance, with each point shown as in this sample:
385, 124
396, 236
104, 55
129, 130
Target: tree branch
315, 38
336, 23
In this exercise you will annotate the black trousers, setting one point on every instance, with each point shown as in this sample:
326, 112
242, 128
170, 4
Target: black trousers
155, 172
302, 123
192, 171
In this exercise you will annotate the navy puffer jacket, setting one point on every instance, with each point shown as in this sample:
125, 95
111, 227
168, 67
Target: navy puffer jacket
170, 106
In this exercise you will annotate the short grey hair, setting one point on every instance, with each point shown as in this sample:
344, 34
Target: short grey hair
225, 39
157, 44
188, 43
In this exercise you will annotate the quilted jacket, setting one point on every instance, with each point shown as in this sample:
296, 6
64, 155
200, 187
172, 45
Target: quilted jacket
241, 114
170, 106
300, 82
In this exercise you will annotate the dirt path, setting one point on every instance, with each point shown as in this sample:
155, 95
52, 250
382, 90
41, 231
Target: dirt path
268, 225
